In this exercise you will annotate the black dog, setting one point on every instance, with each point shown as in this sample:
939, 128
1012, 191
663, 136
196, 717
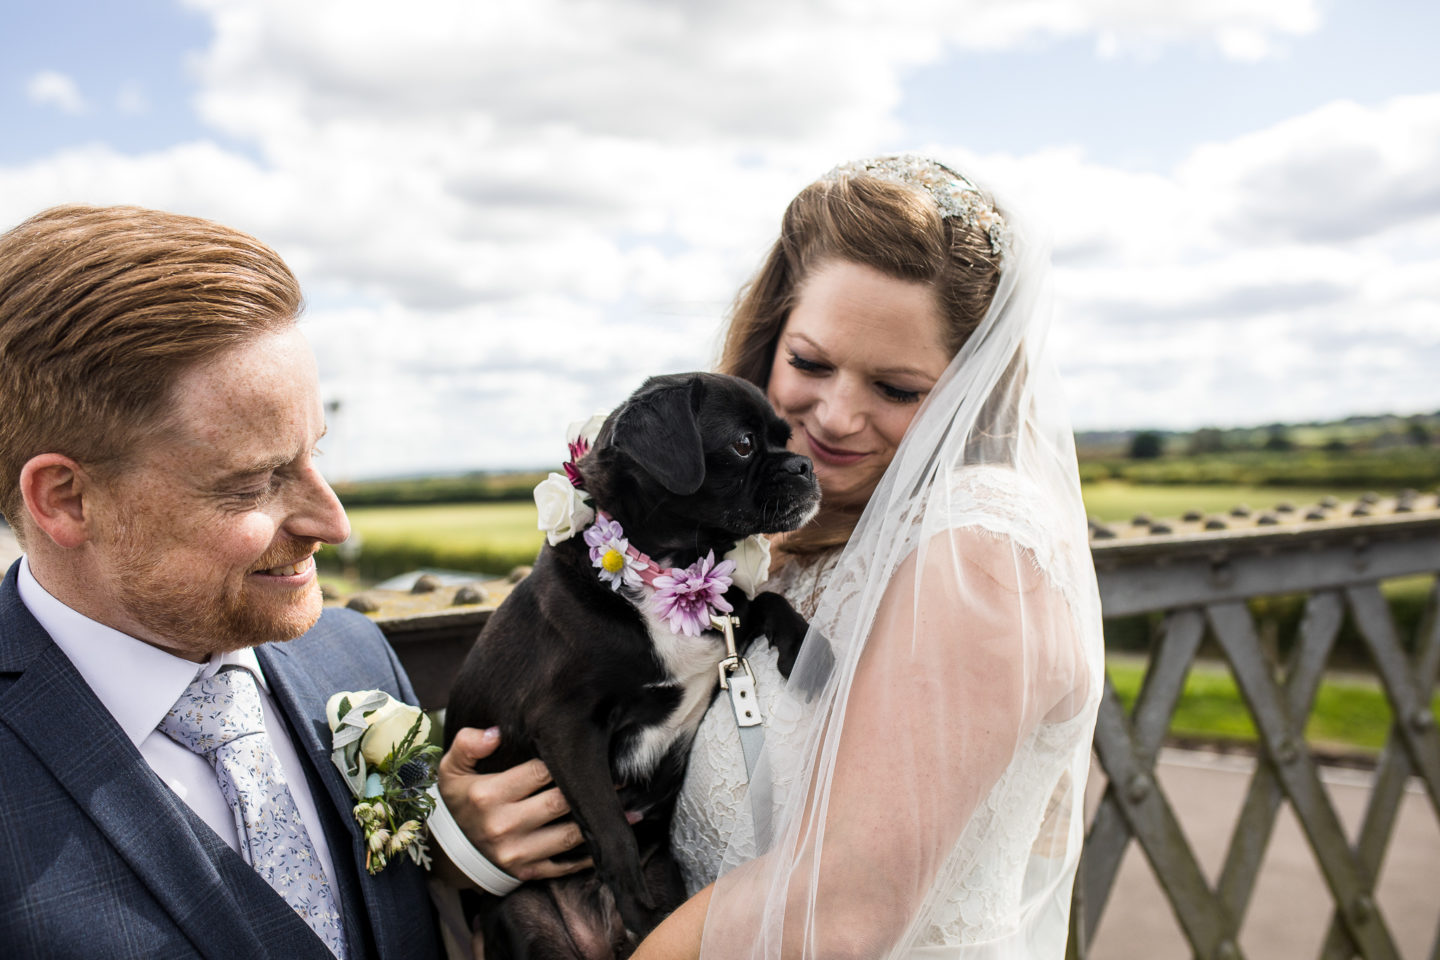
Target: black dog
595, 684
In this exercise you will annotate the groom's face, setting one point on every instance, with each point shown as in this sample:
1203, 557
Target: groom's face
206, 541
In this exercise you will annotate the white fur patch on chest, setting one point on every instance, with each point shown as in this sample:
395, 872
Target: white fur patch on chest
691, 665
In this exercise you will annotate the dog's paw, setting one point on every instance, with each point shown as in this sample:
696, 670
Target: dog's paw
819, 663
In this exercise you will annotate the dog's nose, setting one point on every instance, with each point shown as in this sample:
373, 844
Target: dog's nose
799, 466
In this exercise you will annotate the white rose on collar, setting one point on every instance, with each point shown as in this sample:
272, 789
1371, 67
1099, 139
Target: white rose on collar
563, 510
752, 564
586, 430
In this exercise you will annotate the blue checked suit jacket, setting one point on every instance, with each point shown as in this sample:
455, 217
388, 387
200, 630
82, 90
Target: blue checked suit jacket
98, 858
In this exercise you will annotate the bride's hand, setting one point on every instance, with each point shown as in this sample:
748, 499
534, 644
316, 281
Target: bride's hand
508, 816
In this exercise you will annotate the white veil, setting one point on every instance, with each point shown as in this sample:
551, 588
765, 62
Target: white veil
927, 800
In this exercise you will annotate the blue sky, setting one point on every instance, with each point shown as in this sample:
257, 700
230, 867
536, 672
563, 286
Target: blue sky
1140, 112
1147, 112
506, 215
104, 47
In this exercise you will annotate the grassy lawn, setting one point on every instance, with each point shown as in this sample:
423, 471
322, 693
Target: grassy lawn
1113, 500
484, 537
504, 526
1350, 712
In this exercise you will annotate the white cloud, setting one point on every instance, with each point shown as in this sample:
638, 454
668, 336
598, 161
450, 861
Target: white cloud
1292, 273
54, 89
1340, 173
507, 215
1239, 29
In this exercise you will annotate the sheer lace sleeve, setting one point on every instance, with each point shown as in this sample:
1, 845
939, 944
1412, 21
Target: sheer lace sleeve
974, 648
926, 784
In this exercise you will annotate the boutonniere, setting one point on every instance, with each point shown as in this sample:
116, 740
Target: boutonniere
381, 746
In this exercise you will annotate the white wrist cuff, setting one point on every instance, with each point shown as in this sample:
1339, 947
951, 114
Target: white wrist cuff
462, 852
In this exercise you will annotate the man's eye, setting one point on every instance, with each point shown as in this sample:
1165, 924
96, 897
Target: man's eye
257, 495
744, 446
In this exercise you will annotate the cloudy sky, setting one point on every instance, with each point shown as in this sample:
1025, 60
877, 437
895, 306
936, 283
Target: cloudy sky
507, 213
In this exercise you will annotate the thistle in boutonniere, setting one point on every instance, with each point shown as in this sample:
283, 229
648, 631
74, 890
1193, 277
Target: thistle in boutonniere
382, 748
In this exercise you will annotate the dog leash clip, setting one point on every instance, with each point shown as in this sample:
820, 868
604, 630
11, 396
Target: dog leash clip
733, 661
741, 688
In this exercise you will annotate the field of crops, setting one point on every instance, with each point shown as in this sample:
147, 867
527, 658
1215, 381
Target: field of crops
483, 537
1112, 500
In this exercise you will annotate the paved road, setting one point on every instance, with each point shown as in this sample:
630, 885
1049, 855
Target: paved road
1291, 908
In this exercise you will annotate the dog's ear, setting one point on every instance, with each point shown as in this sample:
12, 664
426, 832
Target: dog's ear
660, 431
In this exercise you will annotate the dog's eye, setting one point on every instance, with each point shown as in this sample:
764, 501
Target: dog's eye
744, 446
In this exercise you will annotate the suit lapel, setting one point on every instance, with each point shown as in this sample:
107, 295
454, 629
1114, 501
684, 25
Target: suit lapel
53, 711
302, 702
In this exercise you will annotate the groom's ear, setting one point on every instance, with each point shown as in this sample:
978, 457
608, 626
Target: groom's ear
57, 492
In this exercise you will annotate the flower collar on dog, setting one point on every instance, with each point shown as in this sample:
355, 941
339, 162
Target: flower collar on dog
686, 597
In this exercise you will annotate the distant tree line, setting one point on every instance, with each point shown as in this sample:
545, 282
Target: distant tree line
462, 488
1354, 434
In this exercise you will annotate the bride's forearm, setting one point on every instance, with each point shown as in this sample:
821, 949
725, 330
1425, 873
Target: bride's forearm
679, 935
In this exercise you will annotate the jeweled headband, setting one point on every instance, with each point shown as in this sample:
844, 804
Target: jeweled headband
956, 196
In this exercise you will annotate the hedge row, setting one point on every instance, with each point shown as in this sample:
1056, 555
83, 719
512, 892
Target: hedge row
383, 560
471, 488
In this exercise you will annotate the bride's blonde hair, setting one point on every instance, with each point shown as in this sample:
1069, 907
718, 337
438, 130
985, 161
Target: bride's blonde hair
895, 228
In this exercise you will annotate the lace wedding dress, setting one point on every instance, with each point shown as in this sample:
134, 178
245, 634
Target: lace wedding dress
920, 789
1004, 887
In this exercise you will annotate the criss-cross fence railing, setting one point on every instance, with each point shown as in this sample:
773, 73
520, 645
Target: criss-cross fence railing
1201, 584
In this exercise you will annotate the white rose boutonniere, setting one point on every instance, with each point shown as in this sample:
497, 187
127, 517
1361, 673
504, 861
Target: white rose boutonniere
381, 746
752, 564
563, 510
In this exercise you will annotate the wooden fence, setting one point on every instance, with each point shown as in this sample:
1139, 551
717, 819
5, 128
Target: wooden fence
1198, 578
1201, 584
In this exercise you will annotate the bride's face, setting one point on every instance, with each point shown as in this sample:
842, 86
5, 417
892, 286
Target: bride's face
857, 354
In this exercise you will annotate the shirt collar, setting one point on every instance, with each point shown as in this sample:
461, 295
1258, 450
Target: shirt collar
136, 681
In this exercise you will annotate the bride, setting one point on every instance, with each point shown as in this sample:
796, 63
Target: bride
920, 794
927, 801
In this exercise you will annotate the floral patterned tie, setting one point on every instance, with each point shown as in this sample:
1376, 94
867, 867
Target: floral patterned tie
219, 718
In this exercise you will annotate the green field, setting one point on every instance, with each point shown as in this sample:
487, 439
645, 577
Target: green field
507, 530
485, 537
1113, 500
504, 526
1350, 711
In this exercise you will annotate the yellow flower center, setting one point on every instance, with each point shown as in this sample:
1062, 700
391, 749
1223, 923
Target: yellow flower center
613, 561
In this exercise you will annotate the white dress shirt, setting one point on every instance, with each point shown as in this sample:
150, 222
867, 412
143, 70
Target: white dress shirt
139, 683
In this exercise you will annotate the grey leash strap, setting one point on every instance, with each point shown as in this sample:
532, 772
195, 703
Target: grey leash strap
738, 681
